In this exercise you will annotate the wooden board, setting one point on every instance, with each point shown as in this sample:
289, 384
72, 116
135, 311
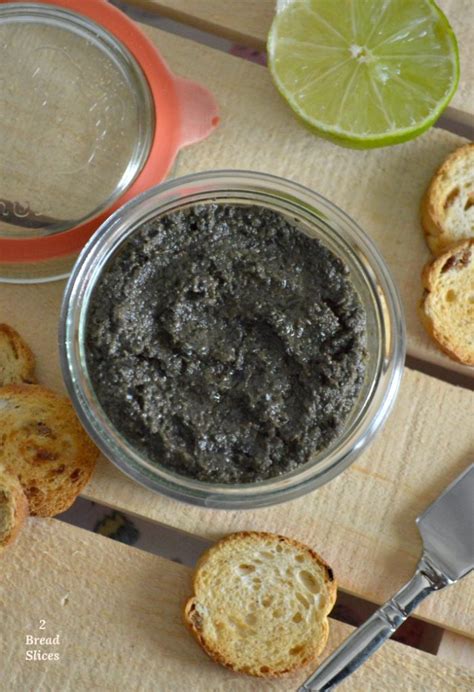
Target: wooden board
117, 612
258, 132
419, 442
363, 522
116, 609
248, 22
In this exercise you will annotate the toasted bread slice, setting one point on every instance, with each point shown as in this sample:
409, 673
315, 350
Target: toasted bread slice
447, 307
44, 444
17, 362
447, 208
13, 507
261, 603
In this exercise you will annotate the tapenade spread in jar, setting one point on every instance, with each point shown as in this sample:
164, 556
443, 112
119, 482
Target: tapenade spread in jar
225, 344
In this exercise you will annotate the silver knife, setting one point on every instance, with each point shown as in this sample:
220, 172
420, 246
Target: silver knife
447, 530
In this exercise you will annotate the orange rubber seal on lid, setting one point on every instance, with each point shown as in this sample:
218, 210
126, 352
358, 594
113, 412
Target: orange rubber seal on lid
173, 121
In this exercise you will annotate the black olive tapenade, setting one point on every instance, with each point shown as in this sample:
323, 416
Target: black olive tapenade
225, 344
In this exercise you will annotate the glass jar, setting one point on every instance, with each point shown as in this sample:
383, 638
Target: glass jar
98, 118
316, 217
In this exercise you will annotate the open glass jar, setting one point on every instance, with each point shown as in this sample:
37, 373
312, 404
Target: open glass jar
90, 116
314, 216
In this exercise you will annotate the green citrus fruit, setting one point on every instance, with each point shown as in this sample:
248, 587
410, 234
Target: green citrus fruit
364, 73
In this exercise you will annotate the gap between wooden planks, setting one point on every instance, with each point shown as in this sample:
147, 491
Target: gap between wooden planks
248, 22
117, 611
362, 522
186, 549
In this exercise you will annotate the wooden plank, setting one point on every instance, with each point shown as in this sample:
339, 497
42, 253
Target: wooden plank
258, 132
363, 521
117, 612
248, 22
457, 649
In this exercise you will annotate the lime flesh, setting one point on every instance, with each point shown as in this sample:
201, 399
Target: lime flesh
364, 73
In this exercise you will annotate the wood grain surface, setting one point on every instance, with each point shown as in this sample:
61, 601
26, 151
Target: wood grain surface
457, 649
117, 611
363, 521
248, 22
367, 514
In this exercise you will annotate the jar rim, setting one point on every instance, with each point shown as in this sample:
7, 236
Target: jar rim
251, 188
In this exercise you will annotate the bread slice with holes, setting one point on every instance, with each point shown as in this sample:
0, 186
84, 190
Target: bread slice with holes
13, 507
447, 209
447, 307
17, 362
45, 446
261, 603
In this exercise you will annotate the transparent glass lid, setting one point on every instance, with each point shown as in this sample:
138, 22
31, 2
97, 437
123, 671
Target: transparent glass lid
76, 120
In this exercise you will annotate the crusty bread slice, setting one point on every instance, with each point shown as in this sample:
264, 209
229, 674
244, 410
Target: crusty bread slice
17, 362
13, 507
447, 307
261, 603
447, 208
43, 443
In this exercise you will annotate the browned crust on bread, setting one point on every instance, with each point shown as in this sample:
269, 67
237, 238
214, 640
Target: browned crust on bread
435, 267
22, 351
192, 621
11, 485
45, 446
429, 275
439, 338
432, 201
192, 618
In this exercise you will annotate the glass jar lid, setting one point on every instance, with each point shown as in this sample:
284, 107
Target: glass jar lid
90, 117
76, 120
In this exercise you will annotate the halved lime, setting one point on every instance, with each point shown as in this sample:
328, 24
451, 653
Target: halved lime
364, 73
